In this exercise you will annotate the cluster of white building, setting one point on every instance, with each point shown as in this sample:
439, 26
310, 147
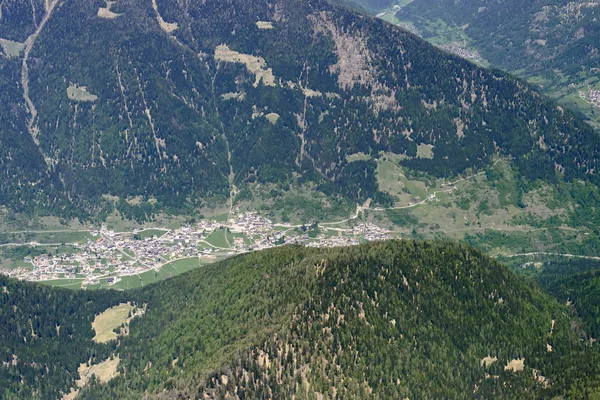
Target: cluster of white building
112, 255
251, 223
592, 95
371, 232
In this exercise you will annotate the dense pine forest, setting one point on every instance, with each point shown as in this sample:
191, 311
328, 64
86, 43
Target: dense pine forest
382, 320
45, 334
575, 283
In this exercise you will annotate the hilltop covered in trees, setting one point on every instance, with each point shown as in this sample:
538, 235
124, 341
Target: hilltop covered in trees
388, 319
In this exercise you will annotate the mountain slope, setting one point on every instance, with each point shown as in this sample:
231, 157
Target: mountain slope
46, 334
389, 319
553, 43
181, 101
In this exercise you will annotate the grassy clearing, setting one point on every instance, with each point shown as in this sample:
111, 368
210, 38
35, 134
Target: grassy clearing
105, 323
64, 283
167, 271
221, 217
392, 179
425, 151
168, 27
357, 157
179, 267
272, 118
264, 25
12, 49
217, 238
516, 365
106, 12
63, 237
44, 238
80, 93
256, 65
127, 282
104, 372
388, 176
487, 361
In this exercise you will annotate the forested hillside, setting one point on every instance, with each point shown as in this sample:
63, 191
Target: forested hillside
389, 319
45, 334
576, 283
175, 102
554, 44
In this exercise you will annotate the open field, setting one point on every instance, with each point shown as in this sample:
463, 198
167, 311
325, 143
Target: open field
105, 323
103, 371
392, 179
357, 157
167, 271
80, 93
12, 49
64, 283
255, 65
220, 238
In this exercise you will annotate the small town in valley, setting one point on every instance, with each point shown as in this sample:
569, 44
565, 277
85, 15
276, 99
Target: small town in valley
110, 256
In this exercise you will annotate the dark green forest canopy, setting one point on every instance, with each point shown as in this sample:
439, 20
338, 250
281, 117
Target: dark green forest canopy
382, 320
575, 282
158, 113
45, 334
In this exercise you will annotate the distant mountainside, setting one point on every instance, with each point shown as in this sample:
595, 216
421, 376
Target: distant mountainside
555, 44
575, 282
174, 101
386, 320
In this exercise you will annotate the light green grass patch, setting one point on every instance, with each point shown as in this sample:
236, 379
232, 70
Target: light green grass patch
126, 282
221, 217
425, 151
64, 283
12, 49
45, 238
417, 189
357, 157
272, 118
105, 322
389, 176
217, 238
80, 93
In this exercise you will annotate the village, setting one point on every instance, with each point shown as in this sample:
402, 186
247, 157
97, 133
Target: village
113, 255
592, 96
